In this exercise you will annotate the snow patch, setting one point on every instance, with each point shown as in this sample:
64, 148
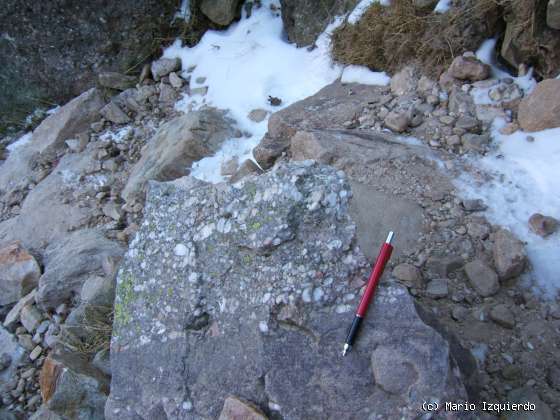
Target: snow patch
442, 6
524, 181
21, 141
361, 74
356, 14
243, 66
184, 11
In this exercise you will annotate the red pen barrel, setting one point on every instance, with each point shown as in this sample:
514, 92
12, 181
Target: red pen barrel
377, 272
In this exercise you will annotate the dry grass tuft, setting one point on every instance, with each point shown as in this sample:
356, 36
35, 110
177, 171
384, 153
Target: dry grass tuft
92, 334
388, 38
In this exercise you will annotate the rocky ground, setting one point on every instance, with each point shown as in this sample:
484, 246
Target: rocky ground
254, 280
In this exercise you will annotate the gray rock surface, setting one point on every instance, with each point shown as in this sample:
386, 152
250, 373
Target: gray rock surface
164, 66
254, 283
19, 273
553, 14
112, 112
304, 21
69, 262
55, 50
175, 146
115, 80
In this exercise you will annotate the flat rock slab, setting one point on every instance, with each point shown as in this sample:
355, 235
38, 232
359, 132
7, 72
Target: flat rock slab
248, 290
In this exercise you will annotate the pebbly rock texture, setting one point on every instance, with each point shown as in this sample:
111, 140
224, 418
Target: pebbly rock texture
19, 273
56, 49
541, 109
304, 21
176, 145
255, 283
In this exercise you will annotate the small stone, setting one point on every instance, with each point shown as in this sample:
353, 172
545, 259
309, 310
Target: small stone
447, 119
476, 142
5, 361
112, 112
408, 274
553, 377
467, 123
274, 101
459, 313
175, 80
200, 80
19, 273
258, 115
26, 341
229, 167
28, 373
530, 139
397, 121
509, 255
199, 91
543, 225
30, 318
502, 316
482, 278
164, 66
469, 68
437, 288
35, 353
474, 205
113, 210
167, 95
509, 128
404, 81
236, 409
453, 140
512, 372
97, 127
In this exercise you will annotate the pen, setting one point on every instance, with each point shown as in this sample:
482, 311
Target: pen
377, 271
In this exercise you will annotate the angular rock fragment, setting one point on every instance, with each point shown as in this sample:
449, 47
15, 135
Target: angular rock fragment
509, 255
19, 273
482, 278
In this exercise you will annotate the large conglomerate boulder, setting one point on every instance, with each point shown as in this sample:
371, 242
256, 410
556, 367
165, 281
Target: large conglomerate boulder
247, 290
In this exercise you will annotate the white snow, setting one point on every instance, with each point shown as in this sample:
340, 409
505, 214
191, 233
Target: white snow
356, 14
26, 138
184, 11
361, 74
524, 180
245, 64
442, 6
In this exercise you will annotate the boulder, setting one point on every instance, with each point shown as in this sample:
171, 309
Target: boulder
76, 175
113, 113
329, 108
175, 146
469, 68
482, 278
72, 388
19, 273
305, 21
115, 80
404, 81
48, 138
15, 356
69, 262
221, 12
253, 291
510, 258
164, 66
553, 14
541, 108
14, 315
